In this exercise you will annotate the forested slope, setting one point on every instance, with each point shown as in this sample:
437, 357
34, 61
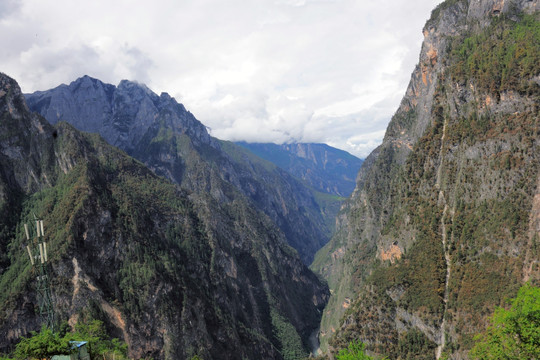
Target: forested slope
444, 223
172, 274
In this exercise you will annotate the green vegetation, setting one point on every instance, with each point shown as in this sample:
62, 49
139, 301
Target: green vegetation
421, 273
45, 344
99, 342
67, 199
401, 121
513, 333
42, 345
505, 56
291, 343
473, 188
239, 155
178, 274
330, 206
441, 8
414, 345
354, 351
151, 220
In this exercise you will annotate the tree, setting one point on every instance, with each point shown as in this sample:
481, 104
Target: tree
514, 333
42, 345
45, 344
99, 342
355, 351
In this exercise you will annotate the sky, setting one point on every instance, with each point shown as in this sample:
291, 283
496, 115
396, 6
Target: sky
328, 71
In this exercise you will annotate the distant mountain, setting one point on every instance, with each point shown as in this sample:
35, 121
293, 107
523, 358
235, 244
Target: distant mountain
165, 136
326, 169
172, 273
122, 115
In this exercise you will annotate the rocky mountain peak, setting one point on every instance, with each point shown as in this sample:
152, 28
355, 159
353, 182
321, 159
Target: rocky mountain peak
89, 88
11, 95
136, 91
164, 96
21, 137
87, 81
121, 114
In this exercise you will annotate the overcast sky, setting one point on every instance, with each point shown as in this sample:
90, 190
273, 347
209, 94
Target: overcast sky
331, 71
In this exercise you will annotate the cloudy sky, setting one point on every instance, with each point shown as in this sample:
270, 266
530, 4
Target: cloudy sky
331, 71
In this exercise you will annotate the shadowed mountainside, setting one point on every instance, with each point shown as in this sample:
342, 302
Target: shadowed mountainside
173, 274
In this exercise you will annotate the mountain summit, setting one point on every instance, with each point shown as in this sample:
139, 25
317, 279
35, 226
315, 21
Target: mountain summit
161, 133
121, 114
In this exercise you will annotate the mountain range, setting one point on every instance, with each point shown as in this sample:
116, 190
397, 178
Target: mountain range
322, 167
186, 245
173, 273
167, 138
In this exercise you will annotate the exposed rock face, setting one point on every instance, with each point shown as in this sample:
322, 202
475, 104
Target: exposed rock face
122, 115
460, 156
322, 167
172, 274
170, 141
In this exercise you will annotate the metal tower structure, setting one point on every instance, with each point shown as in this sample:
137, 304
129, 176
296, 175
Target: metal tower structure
37, 251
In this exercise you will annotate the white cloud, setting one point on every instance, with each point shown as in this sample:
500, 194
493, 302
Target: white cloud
329, 71
8, 7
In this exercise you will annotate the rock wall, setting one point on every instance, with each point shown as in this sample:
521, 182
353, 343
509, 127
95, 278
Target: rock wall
459, 157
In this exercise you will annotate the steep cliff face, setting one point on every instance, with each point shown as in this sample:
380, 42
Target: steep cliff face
172, 274
442, 225
326, 169
170, 141
121, 114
